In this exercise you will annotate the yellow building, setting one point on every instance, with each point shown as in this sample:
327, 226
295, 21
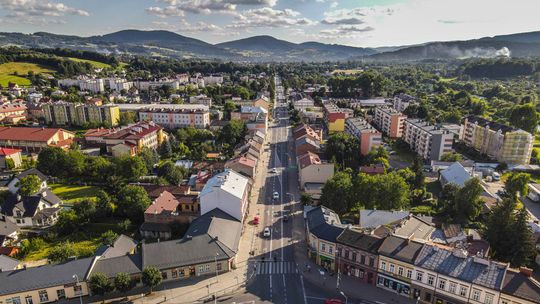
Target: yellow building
335, 118
68, 113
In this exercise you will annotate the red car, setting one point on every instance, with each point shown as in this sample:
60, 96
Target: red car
256, 220
333, 301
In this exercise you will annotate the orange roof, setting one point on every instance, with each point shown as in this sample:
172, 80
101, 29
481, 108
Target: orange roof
212, 155
7, 151
12, 107
164, 202
243, 161
308, 159
28, 134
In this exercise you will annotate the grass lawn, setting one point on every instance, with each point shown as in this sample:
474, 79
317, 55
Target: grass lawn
74, 193
95, 64
22, 68
84, 248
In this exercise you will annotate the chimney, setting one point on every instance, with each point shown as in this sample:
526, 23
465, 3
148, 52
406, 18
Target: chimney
526, 271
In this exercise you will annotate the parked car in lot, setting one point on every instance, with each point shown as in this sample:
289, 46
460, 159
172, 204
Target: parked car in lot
266, 232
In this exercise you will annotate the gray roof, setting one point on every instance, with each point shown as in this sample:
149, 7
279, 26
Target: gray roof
43, 276
122, 246
458, 265
400, 248
324, 223
214, 234
375, 218
7, 227
7, 263
358, 239
130, 264
521, 286
416, 228
30, 203
456, 174
32, 171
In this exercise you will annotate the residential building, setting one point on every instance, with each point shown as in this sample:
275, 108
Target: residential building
213, 79
334, 117
47, 283
201, 99
34, 139
128, 140
8, 263
415, 228
303, 104
118, 84
357, 255
197, 117
228, 191
501, 142
323, 228
256, 118
312, 170
519, 287
12, 110
36, 210
396, 264
13, 184
242, 165
374, 169
455, 174
78, 114
149, 85
306, 130
367, 135
428, 141
123, 245
164, 209
374, 218
10, 158
449, 275
305, 144
390, 121
9, 232
402, 101
85, 84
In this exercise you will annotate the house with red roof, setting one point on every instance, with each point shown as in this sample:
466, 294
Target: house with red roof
10, 158
35, 139
243, 165
313, 173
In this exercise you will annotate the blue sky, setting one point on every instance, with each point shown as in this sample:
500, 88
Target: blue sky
351, 22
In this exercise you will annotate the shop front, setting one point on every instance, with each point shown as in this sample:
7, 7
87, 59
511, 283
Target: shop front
365, 275
326, 262
391, 284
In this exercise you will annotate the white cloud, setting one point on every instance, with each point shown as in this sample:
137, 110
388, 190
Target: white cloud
203, 7
37, 12
267, 17
351, 20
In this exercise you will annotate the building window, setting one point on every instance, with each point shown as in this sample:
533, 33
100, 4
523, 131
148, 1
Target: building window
61, 293
363, 259
427, 297
488, 299
14, 300
174, 273
323, 247
400, 271
330, 249
371, 261
218, 267
409, 273
430, 280
354, 256
346, 255
452, 287
476, 294
383, 266
43, 296
29, 300
164, 275
419, 276
392, 268
442, 284
463, 291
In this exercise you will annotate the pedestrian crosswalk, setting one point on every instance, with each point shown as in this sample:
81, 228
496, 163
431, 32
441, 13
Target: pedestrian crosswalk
278, 267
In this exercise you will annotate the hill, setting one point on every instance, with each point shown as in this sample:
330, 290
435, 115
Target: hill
15, 71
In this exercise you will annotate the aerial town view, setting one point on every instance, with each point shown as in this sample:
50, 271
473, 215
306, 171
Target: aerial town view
270, 151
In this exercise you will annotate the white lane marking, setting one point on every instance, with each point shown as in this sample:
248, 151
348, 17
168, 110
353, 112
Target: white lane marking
303, 289
284, 289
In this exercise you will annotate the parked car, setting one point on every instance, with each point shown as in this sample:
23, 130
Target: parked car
496, 176
275, 195
333, 301
266, 232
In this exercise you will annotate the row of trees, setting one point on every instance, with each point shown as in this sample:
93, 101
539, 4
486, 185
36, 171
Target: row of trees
100, 284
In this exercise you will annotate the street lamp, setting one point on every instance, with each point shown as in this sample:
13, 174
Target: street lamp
215, 260
76, 277
343, 294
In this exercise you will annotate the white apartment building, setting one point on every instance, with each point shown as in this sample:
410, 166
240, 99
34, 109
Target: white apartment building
427, 140
197, 117
118, 84
213, 79
228, 191
390, 121
201, 99
147, 85
85, 84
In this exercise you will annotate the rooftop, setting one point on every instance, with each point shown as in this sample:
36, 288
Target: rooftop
308, 159
123, 245
229, 181
165, 203
375, 218
28, 134
456, 174
519, 285
360, 240
400, 248
324, 223
495, 126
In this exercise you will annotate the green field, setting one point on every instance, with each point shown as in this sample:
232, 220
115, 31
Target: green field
74, 193
95, 64
7, 71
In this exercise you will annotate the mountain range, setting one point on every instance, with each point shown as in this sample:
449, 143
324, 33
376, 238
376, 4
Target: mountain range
268, 48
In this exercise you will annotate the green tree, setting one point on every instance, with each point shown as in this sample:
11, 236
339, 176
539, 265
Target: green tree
524, 117
451, 157
151, 277
172, 173
165, 149
51, 161
130, 168
97, 168
127, 118
150, 157
123, 282
386, 191
108, 237
10, 164
85, 210
517, 184
419, 176
75, 164
29, 185
132, 201
467, 204
228, 108
62, 252
104, 205
99, 284
68, 222
233, 132
335, 192
306, 199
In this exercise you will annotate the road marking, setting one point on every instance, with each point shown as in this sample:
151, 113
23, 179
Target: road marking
303, 288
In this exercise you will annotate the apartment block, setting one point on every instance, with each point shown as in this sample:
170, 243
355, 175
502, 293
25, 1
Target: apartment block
68, 113
368, 136
427, 140
390, 121
501, 142
403, 101
197, 117
334, 117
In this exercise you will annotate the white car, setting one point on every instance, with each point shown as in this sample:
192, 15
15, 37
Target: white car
266, 232
275, 195
273, 170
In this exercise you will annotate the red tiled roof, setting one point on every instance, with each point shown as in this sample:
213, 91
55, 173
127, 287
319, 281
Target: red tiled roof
29, 134
308, 159
7, 151
164, 202
156, 190
243, 161
135, 131
12, 107
373, 169
187, 199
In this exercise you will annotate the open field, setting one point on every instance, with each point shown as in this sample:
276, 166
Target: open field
74, 193
95, 64
7, 71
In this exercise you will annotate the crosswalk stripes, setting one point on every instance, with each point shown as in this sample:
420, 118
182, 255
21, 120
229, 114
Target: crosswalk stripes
279, 267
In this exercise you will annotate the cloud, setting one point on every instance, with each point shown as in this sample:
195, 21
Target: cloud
352, 20
177, 8
267, 17
37, 12
346, 31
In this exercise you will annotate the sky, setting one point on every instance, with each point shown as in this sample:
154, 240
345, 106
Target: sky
362, 23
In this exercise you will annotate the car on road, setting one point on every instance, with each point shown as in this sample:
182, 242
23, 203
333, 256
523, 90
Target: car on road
286, 218
333, 301
273, 170
275, 195
266, 232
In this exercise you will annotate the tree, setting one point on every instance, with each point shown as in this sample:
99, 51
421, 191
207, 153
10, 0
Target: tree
464, 205
165, 149
172, 173
85, 210
228, 108
517, 184
62, 252
386, 191
51, 161
74, 164
123, 282
151, 277
68, 222
97, 168
99, 284
10, 164
451, 157
29, 185
108, 237
233, 132
150, 157
419, 176
335, 190
524, 117
132, 201
344, 148
127, 118
104, 206
306, 199
130, 168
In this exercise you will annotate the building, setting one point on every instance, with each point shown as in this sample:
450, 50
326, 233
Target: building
428, 141
519, 288
306, 130
10, 158
323, 228
367, 135
12, 110
305, 144
228, 191
501, 142
37, 210
415, 228
374, 169
68, 113
334, 117
242, 165
374, 218
357, 255
201, 99
396, 264
85, 84
449, 275
47, 283
128, 140
150, 85
390, 121
303, 104
9, 232
402, 101
256, 118
197, 117
455, 174
123, 245
164, 209
34, 139
13, 184
312, 170
7, 263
